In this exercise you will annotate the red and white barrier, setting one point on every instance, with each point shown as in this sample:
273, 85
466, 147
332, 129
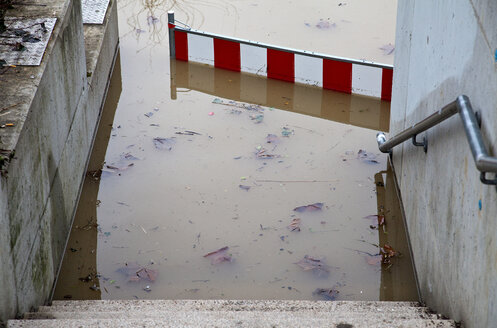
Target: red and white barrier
328, 72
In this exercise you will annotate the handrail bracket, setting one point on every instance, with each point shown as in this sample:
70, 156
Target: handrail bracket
423, 144
471, 122
486, 181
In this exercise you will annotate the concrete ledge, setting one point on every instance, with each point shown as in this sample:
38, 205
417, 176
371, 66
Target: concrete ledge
55, 109
240, 319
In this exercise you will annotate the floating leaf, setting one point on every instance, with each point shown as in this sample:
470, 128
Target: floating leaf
387, 252
387, 49
325, 25
122, 168
130, 157
328, 294
309, 263
136, 272
295, 225
164, 143
309, 208
367, 157
219, 255
272, 138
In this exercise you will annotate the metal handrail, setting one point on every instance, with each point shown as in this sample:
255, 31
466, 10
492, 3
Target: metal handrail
462, 105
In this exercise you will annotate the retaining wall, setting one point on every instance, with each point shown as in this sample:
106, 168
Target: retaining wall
58, 106
445, 49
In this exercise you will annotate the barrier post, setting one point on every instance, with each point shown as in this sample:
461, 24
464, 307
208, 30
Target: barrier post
171, 26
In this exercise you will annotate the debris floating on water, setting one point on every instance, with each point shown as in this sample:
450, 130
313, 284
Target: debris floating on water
325, 24
286, 132
257, 118
188, 133
272, 138
387, 49
136, 272
309, 208
328, 294
295, 225
262, 153
309, 263
220, 255
164, 143
367, 157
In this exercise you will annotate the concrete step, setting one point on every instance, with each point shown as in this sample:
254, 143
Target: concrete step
411, 313
241, 319
231, 313
224, 305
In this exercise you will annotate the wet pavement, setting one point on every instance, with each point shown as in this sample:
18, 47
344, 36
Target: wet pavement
273, 191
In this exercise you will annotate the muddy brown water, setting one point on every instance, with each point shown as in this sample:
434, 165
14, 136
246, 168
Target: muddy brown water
212, 179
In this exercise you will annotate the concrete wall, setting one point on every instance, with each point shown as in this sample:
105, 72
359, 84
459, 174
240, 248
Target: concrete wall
55, 127
445, 49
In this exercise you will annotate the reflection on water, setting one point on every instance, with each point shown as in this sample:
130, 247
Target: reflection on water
357, 110
187, 176
78, 277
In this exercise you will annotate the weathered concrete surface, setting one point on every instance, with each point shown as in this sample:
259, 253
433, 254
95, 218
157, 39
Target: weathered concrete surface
55, 109
232, 313
445, 49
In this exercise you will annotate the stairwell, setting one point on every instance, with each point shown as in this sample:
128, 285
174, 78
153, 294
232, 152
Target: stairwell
229, 313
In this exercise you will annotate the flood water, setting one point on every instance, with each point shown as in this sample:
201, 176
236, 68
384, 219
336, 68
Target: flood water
287, 177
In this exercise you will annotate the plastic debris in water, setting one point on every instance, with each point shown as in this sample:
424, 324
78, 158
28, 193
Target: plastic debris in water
149, 114
147, 289
211, 113
286, 132
247, 188
257, 118
479, 204
309, 208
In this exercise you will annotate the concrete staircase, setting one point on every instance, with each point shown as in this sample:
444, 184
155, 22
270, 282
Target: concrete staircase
225, 313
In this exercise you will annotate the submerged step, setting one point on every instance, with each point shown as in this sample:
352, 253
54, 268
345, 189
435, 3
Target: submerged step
407, 313
224, 305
